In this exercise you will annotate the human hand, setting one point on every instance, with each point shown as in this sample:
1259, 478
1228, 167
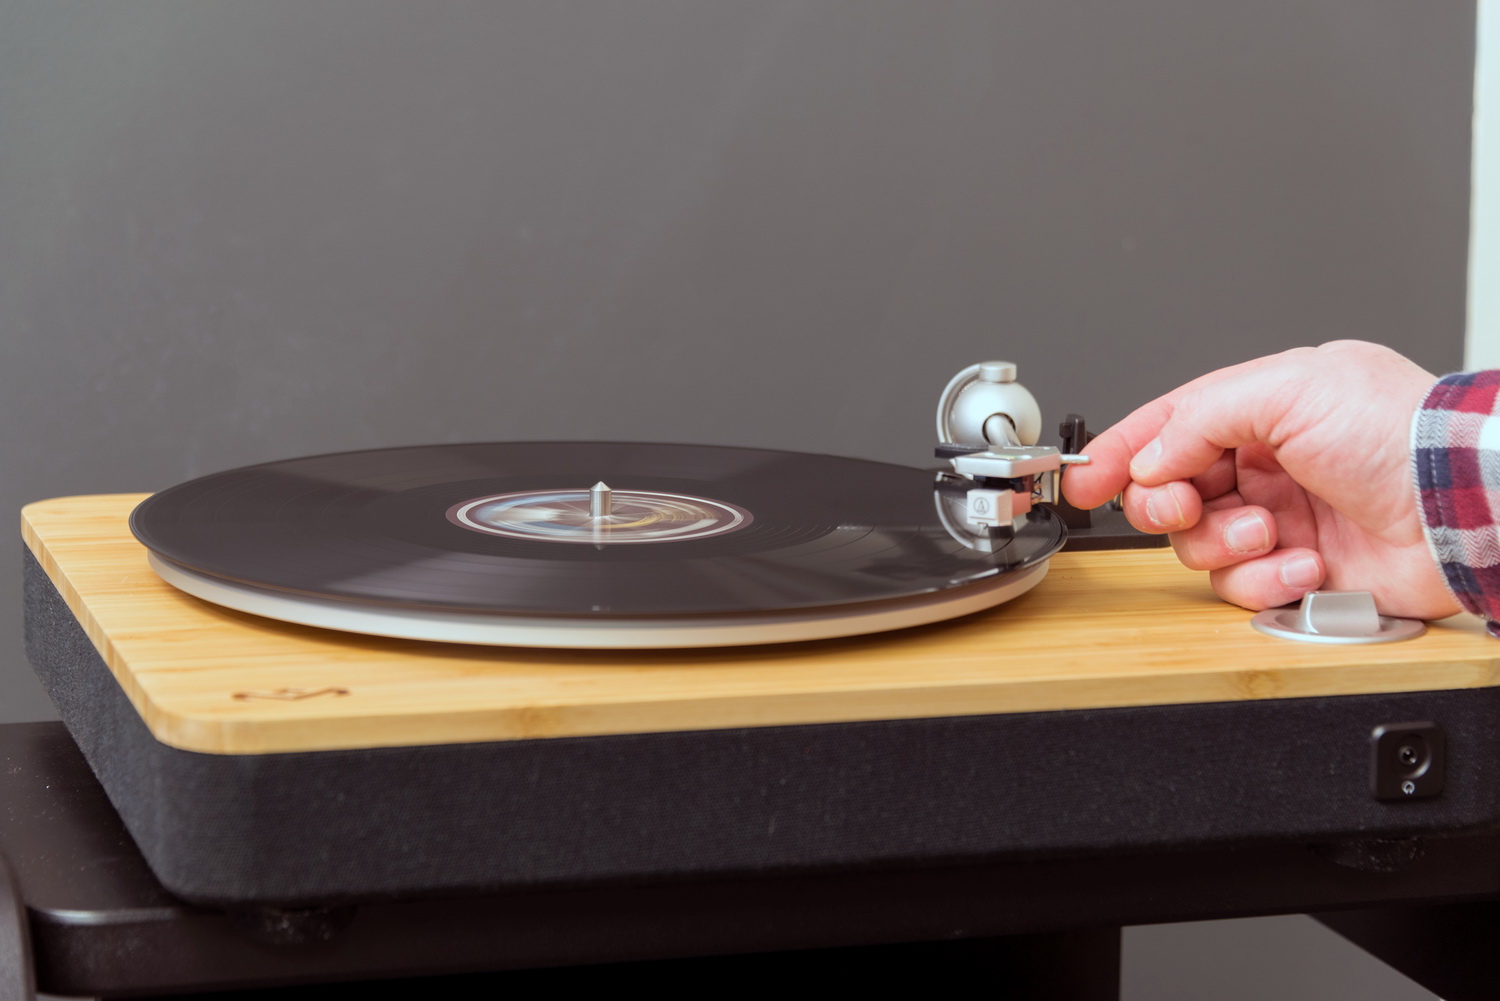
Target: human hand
1282, 475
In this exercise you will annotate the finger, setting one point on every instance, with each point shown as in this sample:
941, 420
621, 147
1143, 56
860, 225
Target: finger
1173, 507
1225, 537
1225, 501
1219, 479
1280, 577
1108, 468
1110, 454
1263, 481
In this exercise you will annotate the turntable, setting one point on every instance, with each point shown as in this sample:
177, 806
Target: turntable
518, 665
598, 545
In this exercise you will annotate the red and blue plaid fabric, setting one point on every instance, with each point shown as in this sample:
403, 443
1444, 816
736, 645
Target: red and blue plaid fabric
1456, 454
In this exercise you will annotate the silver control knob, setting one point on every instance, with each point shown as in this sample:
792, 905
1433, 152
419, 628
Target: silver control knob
1336, 617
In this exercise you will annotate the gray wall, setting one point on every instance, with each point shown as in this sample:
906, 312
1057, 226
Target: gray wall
232, 232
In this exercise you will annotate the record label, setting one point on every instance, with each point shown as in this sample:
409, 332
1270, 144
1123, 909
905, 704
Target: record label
633, 516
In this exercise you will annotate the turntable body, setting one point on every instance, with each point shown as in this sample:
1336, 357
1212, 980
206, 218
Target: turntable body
1117, 704
1127, 628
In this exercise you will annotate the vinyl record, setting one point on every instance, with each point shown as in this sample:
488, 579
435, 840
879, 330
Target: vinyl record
516, 530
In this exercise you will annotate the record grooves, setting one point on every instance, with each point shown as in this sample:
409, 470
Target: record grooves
504, 531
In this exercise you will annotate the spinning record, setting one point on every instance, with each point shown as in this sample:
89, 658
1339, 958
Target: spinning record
586, 544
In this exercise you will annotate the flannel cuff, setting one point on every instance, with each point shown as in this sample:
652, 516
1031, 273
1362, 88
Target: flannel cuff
1456, 457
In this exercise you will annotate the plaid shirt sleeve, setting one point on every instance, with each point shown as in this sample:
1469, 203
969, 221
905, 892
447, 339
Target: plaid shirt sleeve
1456, 455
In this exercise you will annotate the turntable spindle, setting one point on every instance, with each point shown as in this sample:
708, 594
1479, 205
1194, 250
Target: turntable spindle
599, 500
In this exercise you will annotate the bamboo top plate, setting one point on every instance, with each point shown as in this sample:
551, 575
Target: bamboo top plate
1104, 629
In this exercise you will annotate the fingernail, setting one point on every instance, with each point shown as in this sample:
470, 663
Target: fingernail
1301, 573
1163, 508
1247, 534
1146, 459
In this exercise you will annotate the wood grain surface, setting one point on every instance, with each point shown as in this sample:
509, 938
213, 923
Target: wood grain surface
1104, 629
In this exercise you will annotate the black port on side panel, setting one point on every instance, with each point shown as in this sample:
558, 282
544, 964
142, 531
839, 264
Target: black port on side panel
1407, 760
